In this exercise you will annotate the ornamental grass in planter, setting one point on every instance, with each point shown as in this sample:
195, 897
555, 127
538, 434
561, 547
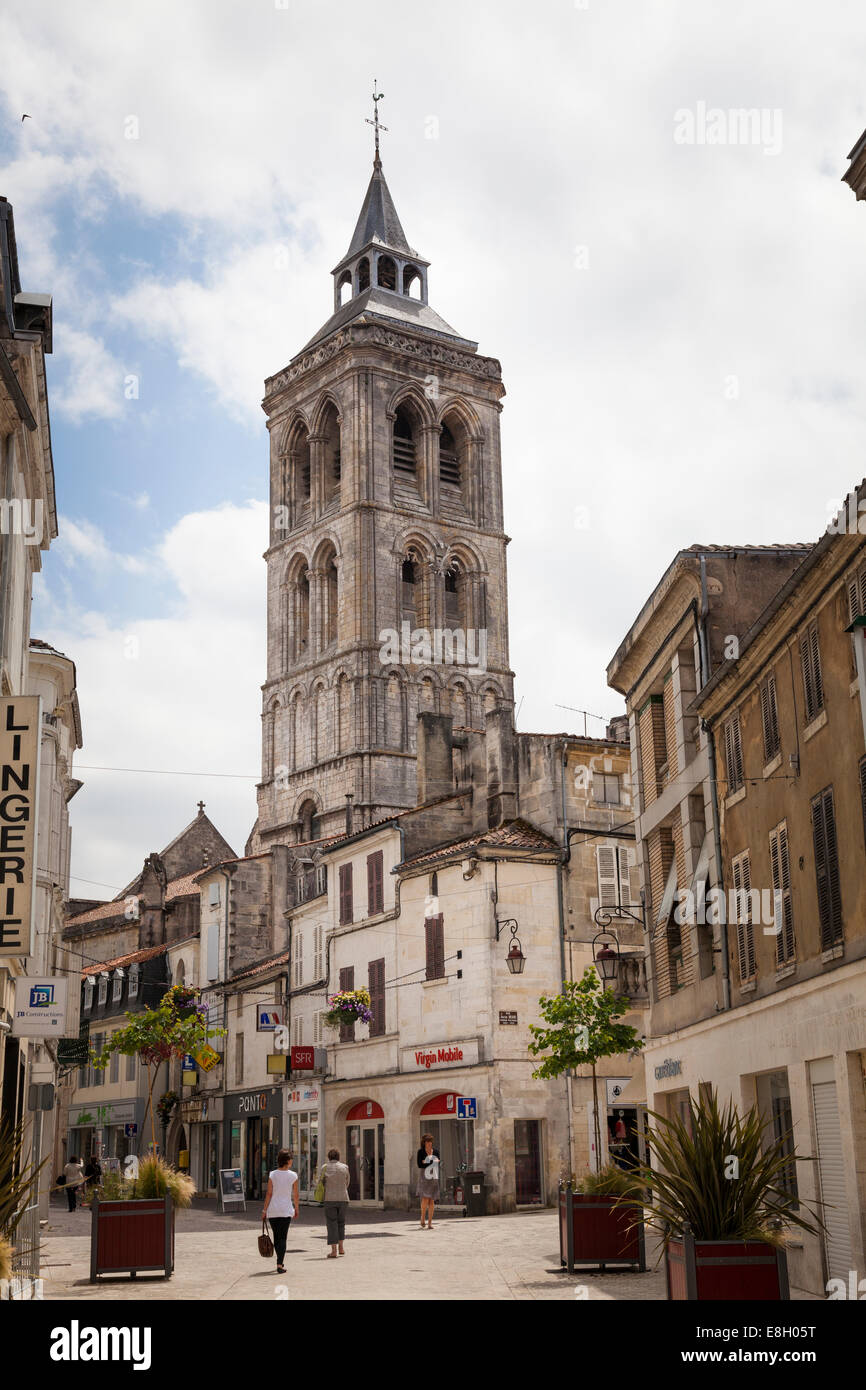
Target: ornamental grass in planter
601, 1221
718, 1196
132, 1226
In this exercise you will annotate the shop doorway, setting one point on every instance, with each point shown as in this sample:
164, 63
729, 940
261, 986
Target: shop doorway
365, 1156
527, 1163
304, 1145
455, 1142
623, 1140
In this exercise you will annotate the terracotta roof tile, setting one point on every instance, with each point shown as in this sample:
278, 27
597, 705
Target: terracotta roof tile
134, 958
262, 966
515, 834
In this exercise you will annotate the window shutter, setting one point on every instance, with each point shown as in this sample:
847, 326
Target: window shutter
375, 887
625, 860
770, 719
827, 869
745, 928
783, 908
346, 907
317, 1028
863, 793
435, 943
376, 977
607, 885
347, 981
297, 960
733, 754
813, 686
318, 954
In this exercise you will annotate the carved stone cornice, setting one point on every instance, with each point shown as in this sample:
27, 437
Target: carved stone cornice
377, 335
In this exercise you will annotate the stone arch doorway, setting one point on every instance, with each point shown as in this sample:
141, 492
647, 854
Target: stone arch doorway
365, 1152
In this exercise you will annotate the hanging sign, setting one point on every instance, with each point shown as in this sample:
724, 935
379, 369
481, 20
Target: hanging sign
20, 721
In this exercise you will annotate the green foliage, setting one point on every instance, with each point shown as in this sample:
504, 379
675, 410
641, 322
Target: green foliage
608, 1182
17, 1182
155, 1178
581, 1027
724, 1178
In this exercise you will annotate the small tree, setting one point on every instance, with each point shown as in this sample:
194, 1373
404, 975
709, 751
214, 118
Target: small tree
175, 1027
581, 1029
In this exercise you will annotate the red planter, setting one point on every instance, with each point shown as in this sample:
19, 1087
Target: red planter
132, 1237
593, 1230
714, 1271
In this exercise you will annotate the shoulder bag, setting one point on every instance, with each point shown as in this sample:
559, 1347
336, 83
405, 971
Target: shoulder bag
266, 1245
319, 1194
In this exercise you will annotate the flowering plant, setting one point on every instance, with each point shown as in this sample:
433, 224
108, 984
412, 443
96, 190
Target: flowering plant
348, 1006
166, 1103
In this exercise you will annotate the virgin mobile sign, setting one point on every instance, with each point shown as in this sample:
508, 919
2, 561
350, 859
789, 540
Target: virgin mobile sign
19, 780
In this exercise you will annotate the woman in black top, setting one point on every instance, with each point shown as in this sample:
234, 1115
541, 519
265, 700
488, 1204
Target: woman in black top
428, 1179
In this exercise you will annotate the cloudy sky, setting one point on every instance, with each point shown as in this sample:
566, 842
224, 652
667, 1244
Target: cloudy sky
680, 322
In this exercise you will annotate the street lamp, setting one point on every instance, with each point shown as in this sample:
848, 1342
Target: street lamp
606, 958
515, 960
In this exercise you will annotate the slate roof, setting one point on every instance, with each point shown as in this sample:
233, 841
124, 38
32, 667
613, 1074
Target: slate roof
516, 834
399, 310
378, 218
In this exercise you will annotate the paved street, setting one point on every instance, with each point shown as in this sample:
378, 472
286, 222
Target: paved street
387, 1256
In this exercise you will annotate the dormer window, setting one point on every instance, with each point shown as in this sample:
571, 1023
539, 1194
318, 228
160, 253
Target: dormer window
134, 977
117, 985
88, 994
103, 989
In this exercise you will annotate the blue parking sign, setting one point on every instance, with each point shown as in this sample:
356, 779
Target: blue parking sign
466, 1108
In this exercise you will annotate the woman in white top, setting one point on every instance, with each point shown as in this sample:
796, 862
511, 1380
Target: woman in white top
281, 1200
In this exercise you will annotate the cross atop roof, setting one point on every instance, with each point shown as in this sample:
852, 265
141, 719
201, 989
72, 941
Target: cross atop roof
377, 97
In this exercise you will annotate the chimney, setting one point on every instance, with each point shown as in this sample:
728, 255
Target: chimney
502, 781
435, 757
349, 799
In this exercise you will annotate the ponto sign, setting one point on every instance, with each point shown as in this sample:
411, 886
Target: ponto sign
20, 721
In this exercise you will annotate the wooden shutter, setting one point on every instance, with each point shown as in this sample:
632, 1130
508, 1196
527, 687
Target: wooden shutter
606, 864
770, 719
624, 862
375, 888
813, 685
783, 907
733, 754
857, 594
297, 960
347, 981
435, 940
745, 928
863, 793
376, 977
827, 869
346, 908
318, 955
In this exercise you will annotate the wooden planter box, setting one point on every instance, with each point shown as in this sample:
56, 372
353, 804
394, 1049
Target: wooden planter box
593, 1230
719, 1270
132, 1237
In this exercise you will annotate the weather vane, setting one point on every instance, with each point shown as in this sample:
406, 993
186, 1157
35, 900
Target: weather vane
377, 97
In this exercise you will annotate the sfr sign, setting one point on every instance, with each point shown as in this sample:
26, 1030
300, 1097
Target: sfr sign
20, 721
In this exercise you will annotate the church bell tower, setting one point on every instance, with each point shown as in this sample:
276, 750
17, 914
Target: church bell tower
387, 592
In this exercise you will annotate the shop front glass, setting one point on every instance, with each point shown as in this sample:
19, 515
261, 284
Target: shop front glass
303, 1142
365, 1156
455, 1141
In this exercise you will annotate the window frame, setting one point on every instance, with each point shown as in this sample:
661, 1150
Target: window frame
733, 740
810, 665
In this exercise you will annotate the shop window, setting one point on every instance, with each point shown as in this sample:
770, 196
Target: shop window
774, 1102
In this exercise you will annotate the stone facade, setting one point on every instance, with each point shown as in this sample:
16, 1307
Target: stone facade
386, 518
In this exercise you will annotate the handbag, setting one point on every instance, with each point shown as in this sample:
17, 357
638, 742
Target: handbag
319, 1194
266, 1245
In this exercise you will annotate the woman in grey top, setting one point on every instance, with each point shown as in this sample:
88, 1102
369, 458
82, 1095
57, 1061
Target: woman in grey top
336, 1176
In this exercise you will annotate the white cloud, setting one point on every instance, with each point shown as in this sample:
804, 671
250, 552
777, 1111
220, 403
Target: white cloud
83, 541
176, 690
92, 383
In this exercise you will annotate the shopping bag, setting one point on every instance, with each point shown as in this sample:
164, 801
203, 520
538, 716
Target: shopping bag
319, 1194
266, 1245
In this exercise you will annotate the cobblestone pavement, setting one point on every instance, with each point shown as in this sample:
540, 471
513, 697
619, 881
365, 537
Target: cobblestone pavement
387, 1256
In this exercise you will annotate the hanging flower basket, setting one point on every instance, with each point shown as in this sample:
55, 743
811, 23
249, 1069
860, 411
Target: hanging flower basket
347, 1007
187, 1002
166, 1104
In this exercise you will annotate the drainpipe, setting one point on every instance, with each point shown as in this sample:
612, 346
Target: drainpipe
226, 1137
706, 672
560, 897
5, 565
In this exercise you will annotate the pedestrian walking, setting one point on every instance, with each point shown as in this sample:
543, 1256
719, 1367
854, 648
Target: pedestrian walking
73, 1172
281, 1201
92, 1172
428, 1179
336, 1180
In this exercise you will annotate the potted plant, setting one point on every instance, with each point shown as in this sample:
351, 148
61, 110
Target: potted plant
347, 1007
718, 1196
18, 1180
134, 1231
600, 1221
